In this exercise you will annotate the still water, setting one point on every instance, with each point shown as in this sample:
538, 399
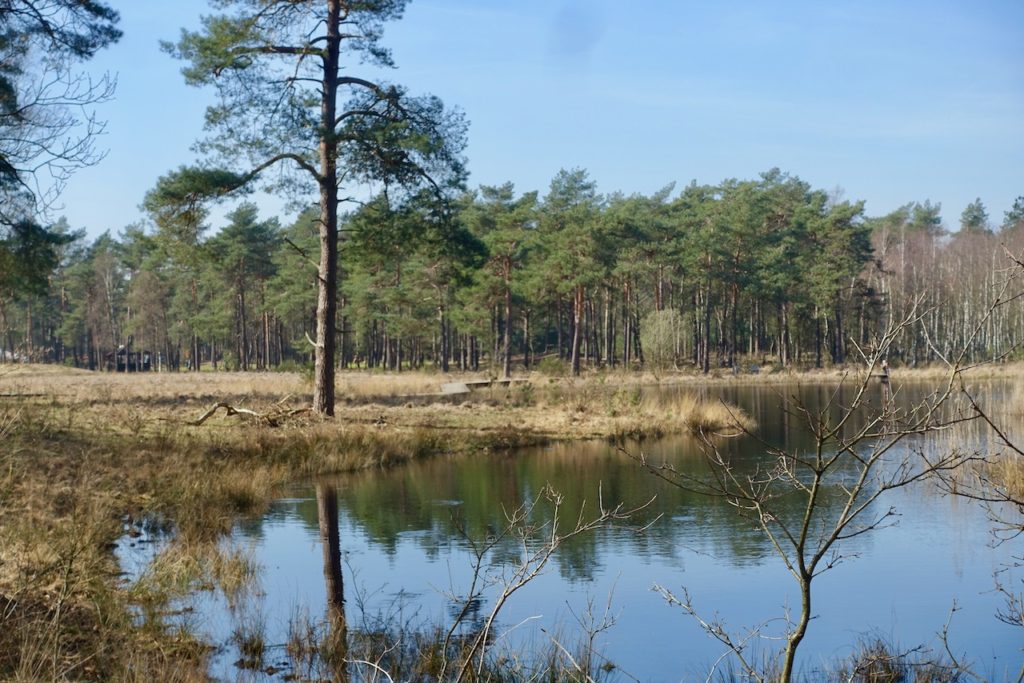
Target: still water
406, 555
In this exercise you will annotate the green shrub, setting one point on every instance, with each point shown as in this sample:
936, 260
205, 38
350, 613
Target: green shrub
660, 334
553, 366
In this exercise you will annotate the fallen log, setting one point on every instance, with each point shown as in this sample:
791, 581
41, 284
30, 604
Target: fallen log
271, 419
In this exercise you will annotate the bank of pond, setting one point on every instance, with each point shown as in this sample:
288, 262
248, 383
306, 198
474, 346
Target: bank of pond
428, 550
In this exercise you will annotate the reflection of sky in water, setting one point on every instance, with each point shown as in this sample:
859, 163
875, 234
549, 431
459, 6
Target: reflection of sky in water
900, 587
898, 583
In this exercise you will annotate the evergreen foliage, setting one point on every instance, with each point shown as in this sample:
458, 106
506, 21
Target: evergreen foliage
278, 70
758, 271
47, 130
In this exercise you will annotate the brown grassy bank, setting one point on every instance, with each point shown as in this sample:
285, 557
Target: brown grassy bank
87, 455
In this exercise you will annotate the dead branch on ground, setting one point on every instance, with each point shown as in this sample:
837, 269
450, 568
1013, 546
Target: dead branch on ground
274, 418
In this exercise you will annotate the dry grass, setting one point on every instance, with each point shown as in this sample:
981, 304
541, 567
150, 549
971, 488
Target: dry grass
84, 451
357, 384
875, 660
183, 567
82, 387
1004, 468
1008, 473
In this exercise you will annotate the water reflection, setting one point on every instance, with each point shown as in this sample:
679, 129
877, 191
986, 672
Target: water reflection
406, 539
336, 651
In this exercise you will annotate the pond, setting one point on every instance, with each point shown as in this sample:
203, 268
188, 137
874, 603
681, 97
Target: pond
406, 538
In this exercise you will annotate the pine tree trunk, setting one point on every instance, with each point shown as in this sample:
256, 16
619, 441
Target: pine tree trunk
442, 323
327, 283
638, 352
706, 341
817, 338
28, 330
626, 320
840, 352
784, 335
506, 366
733, 325
577, 319
558, 327
609, 329
266, 340
527, 342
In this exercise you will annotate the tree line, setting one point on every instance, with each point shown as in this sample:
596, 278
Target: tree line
757, 271
764, 270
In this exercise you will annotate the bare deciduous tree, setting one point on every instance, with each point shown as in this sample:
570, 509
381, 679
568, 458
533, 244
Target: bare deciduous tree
537, 543
47, 124
807, 504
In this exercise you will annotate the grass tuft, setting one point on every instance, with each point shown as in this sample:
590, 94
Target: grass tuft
877, 661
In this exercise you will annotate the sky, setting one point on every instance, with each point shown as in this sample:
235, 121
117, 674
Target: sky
881, 101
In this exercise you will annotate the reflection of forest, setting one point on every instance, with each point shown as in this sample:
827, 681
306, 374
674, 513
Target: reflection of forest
391, 521
428, 503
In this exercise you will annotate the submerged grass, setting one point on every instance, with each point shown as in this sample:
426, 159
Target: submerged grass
394, 646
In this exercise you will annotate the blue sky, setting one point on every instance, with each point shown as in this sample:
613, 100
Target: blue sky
891, 102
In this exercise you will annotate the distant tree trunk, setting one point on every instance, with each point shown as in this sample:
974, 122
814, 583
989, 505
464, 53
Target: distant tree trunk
450, 341
269, 328
280, 341
706, 341
58, 343
245, 329
558, 327
659, 290
8, 339
445, 341
784, 334
506, 367
817, 338
609, 329
733, 325
89, 349
627, 320
839, 355
28, 330
527, 342
756, 328
594, 338
577, 319
638, 352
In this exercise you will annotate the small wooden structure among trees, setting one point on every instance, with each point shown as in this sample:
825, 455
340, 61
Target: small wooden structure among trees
125, 360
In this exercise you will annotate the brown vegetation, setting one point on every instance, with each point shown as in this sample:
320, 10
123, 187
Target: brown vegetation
87, 455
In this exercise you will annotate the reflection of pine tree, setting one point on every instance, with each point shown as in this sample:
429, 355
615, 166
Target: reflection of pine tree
337, 638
